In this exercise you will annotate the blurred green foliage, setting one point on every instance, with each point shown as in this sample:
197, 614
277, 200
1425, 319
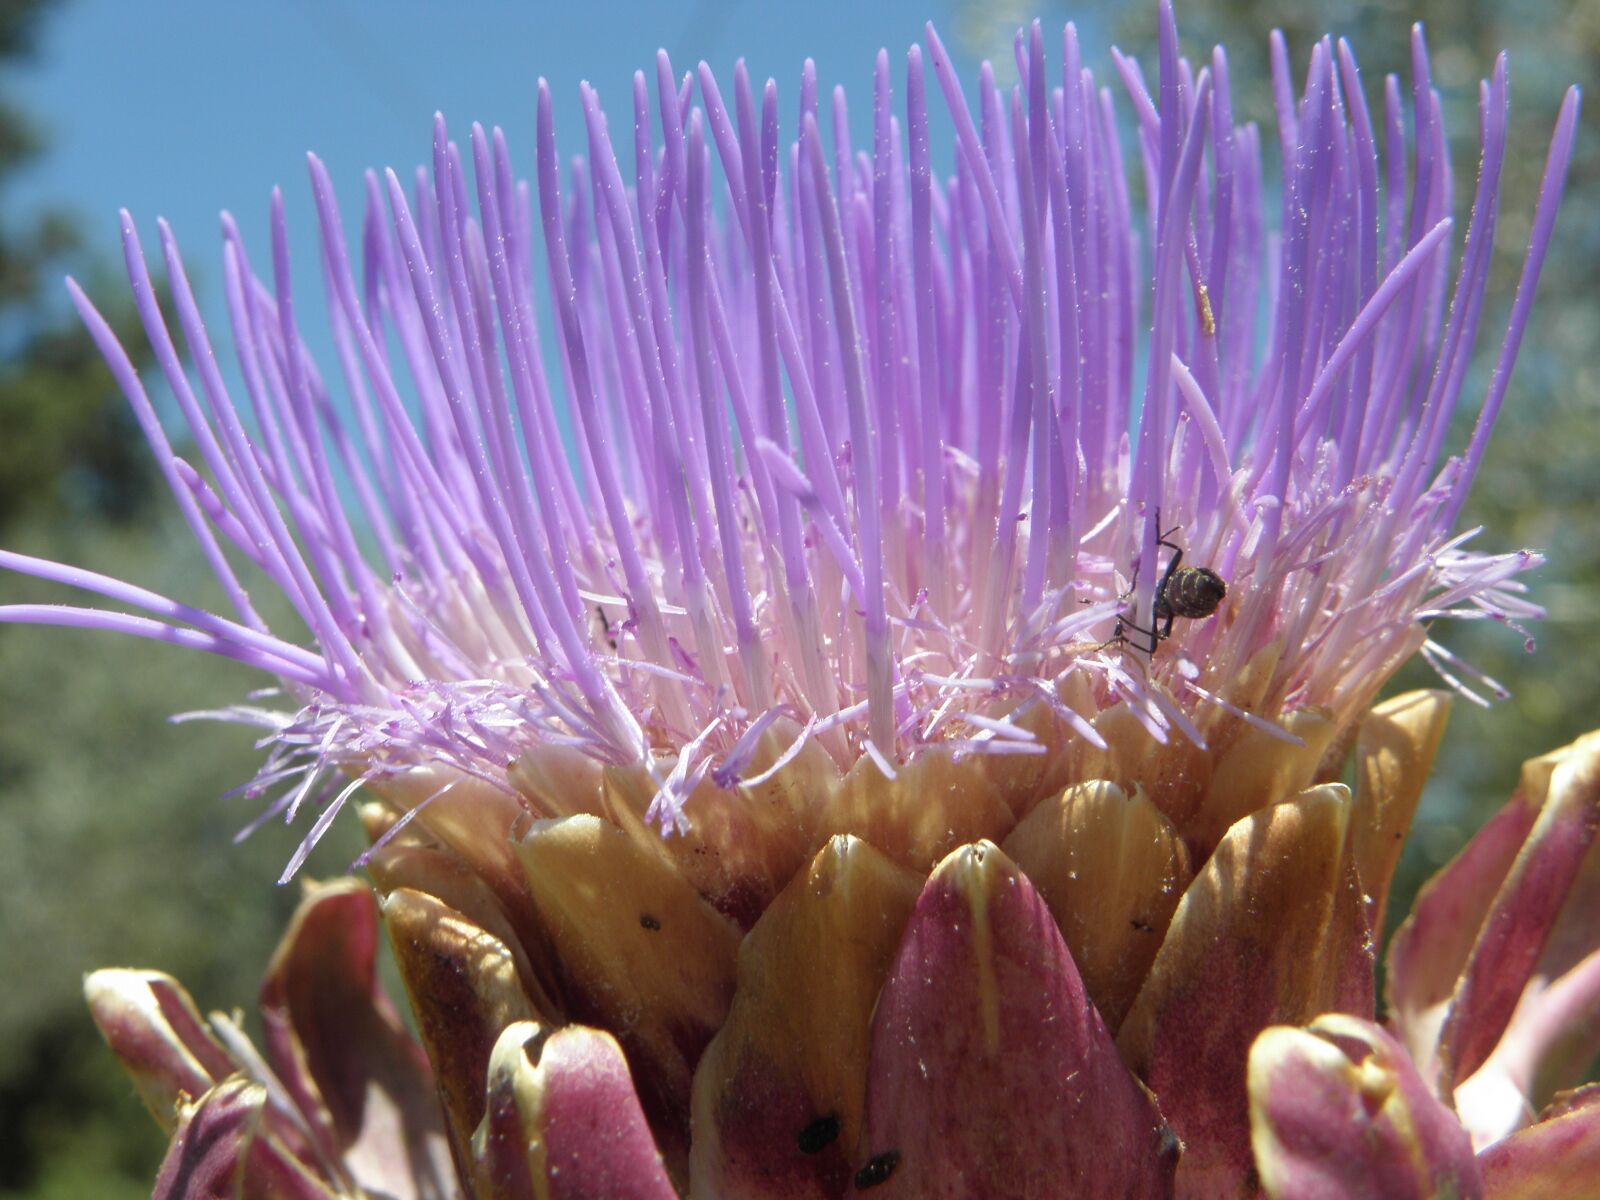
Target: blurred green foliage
118, 853
116, 850
65, 452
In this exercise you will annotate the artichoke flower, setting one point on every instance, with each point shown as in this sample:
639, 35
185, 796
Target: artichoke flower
861, 679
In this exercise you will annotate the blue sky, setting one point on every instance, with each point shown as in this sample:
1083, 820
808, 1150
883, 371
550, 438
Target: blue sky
183, 108
180, 108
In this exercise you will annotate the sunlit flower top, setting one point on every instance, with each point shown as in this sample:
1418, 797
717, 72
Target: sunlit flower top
819, 450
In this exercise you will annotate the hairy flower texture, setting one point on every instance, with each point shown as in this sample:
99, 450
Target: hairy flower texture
845, 446
834, 529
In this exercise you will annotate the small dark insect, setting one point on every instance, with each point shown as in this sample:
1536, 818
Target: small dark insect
649, 922
605, 626
1141, 926
1189, 592
878, 1169
819, 1135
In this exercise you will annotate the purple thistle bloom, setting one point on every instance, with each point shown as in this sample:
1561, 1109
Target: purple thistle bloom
983, 578
822, 439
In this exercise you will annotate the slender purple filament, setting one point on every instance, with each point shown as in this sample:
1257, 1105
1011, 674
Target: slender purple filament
852, 443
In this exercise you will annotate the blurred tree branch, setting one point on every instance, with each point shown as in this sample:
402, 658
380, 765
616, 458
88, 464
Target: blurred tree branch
68, 446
